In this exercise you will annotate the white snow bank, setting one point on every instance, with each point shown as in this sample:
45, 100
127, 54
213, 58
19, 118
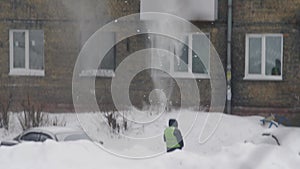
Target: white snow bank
86, 155
234, 143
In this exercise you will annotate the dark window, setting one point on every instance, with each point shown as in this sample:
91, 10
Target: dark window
44, 137
30, 137
108, 61
92, 51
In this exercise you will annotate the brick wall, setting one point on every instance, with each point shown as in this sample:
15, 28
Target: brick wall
53, 90
67, 24
266, 16
65, 31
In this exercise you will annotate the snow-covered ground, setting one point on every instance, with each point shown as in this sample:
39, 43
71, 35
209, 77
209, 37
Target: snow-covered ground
212, 140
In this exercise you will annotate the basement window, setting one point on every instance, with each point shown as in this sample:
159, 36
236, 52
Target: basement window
26, 52
264, 57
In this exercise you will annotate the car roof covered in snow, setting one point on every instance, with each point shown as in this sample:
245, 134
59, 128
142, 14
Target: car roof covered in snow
56, 129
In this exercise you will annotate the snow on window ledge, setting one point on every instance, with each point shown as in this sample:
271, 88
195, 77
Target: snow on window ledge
181, 75
263, 78
98, 73
26, 72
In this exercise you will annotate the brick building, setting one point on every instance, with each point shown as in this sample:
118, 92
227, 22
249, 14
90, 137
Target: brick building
266, 19
41, 39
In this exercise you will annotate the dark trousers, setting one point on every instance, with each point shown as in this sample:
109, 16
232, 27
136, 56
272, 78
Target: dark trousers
172, 149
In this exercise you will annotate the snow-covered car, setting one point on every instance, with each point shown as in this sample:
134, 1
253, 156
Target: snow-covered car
40, 134
265, 138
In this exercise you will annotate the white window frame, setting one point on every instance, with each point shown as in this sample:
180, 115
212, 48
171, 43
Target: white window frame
22, 71
189, 73
262, 75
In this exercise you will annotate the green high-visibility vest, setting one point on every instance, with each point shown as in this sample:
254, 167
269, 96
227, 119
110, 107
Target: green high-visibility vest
171, 140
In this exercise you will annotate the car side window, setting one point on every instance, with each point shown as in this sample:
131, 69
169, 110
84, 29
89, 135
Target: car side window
30, 137
44, 137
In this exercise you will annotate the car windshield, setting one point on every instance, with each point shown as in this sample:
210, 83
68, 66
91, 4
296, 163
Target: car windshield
72, 137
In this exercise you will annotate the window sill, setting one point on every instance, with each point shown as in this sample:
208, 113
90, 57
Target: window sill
263, 78
181, 75
22, 72
97, 73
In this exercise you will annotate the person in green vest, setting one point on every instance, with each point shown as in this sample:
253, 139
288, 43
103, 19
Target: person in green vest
173, 137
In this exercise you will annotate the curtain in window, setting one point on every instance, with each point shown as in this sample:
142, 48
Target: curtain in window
36, 49
182, 52
19, 49
161, 58
255, 55
200, 46
273, 56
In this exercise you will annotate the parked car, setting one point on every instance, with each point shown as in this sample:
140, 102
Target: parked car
40, 134
265, 138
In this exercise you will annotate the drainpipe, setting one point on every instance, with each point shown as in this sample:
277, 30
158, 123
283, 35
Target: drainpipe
228, 73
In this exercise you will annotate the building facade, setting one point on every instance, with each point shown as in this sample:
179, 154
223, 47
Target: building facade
275, 26
41, 40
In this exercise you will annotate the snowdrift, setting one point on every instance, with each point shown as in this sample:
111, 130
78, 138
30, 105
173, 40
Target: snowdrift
236, 142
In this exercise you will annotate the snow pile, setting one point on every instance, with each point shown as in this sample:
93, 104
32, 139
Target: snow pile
215, 141
83, 155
